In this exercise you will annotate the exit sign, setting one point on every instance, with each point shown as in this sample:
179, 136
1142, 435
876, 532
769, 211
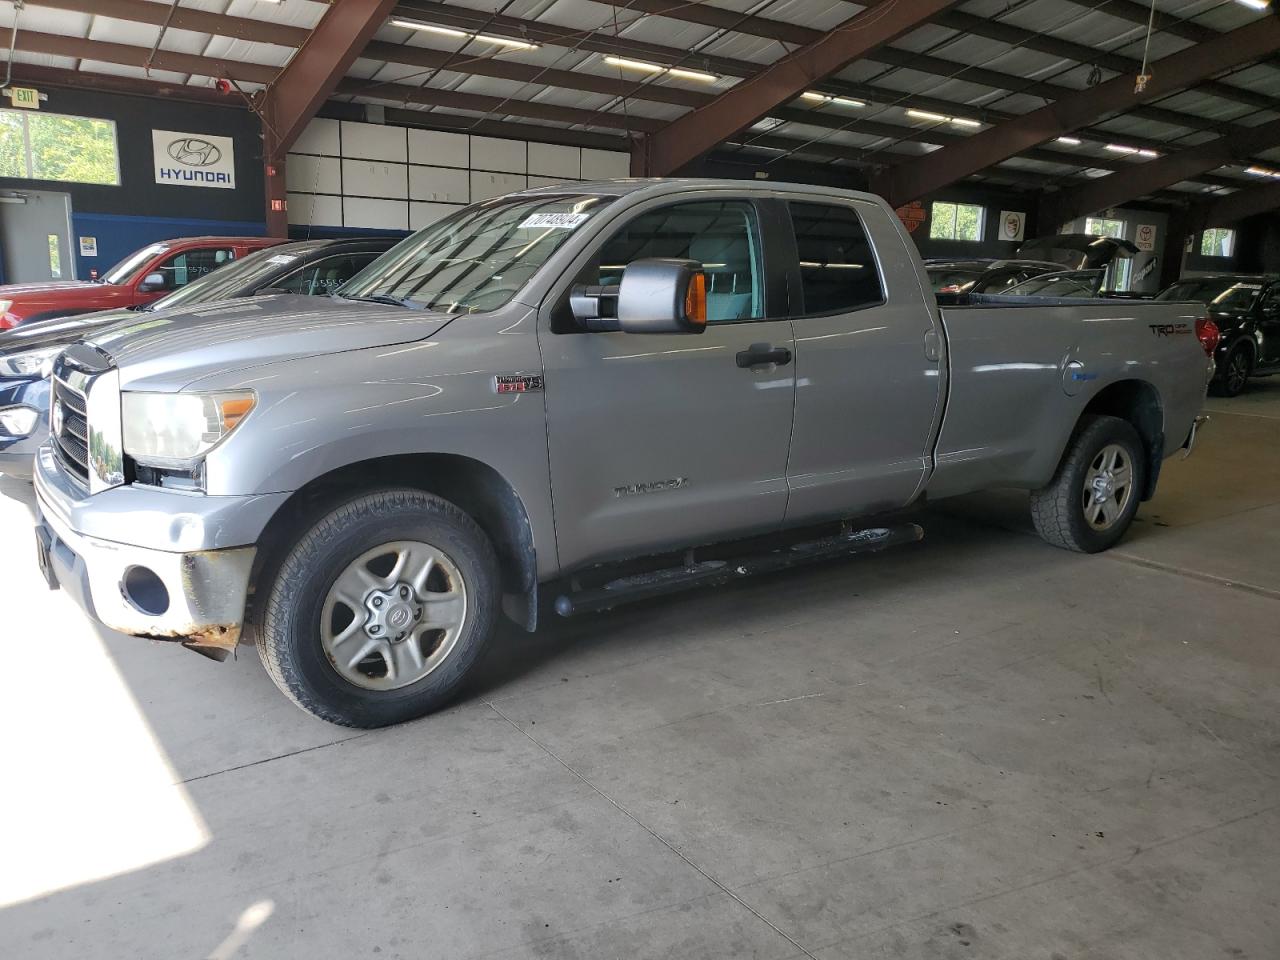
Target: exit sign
27, 97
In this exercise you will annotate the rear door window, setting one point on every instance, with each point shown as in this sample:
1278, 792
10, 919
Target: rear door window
837, 266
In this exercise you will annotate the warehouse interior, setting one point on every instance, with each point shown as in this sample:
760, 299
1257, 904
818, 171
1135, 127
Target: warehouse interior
974, 746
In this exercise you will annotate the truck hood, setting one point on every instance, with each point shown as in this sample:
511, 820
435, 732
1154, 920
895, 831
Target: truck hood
55, 291
53, 333
168, 349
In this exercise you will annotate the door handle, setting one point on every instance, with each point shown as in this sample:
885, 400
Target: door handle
758, 354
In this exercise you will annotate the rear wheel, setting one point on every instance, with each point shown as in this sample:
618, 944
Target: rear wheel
1235, 372
1094, 495
381, 608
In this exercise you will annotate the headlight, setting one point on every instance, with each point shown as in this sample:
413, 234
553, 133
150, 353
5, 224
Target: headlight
18, 421
5, 305
30, 363
172, 429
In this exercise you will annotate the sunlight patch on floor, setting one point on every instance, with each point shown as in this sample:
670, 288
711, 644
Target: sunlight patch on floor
86, 791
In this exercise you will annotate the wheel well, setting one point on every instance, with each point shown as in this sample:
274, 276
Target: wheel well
475, 487
1138, 402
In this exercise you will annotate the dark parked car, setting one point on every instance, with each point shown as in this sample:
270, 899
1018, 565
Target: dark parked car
983, 276
305, 267
1246, 309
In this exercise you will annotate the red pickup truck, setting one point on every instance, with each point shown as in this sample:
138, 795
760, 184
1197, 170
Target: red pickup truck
143, 276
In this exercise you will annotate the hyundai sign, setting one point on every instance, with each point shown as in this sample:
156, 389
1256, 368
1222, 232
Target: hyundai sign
194, 159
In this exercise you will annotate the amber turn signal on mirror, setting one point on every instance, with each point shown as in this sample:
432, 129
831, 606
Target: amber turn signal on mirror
695, 299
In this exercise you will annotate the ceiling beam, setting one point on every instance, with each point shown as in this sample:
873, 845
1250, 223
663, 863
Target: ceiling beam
185, 18
1234, 207
37, 75
917, 178
146, 11
1139, 179
1081, 53
78, 48
313, 73
693, 134
784, 32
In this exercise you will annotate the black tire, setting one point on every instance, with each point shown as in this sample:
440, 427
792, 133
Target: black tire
1058, 509
289, 638
1237, 366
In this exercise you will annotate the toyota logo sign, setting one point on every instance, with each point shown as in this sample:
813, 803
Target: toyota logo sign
194, 152
56, 419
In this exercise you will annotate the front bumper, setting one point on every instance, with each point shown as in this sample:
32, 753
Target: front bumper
172, 566
17, 454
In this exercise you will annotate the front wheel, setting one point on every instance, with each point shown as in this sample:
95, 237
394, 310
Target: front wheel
381, 609
1093, 497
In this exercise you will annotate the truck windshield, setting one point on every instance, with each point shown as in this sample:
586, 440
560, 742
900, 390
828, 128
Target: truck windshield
1225, 293
123, 270
476, 259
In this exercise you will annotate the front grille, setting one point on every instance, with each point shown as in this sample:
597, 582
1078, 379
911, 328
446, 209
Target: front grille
72, 441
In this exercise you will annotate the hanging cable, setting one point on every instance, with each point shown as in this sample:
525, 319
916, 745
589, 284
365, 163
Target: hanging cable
1143, 77
18, 6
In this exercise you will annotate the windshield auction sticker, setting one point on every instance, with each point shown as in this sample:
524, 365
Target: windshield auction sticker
556, 221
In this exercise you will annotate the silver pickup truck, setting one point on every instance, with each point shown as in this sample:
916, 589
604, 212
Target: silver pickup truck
566, 399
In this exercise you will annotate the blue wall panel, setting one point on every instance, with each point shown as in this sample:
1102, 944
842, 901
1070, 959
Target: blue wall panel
120, 235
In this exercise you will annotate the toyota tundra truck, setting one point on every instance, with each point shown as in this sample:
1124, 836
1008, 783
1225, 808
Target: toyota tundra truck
566, 399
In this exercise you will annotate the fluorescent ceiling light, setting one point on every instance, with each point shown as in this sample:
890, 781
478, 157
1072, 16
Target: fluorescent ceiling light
505, 41
646, 67
1262, 172
464, 35
1147, 153
430, 28
1256, 4
1069, 141
942, 118
926, 115
633, 64
1121, 148
692, 74
816, 97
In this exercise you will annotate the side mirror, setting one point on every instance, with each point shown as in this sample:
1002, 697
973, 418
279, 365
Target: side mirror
151, 283
663, 296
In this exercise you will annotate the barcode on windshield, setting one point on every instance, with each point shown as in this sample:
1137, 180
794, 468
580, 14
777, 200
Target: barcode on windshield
556, 221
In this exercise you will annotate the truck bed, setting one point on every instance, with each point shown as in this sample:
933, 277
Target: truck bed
1012, 360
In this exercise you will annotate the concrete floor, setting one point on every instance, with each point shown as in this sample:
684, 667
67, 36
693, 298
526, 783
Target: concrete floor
977, 747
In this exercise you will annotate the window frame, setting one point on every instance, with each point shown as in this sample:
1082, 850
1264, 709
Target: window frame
957, 204
776, 259
28, 158
796, 302
1230, 235
1124, 226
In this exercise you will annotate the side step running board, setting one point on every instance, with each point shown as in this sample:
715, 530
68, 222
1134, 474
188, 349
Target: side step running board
715, 572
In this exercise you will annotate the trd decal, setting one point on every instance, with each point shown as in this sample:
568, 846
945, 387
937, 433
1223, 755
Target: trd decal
652, 486
1168, 329
516, 384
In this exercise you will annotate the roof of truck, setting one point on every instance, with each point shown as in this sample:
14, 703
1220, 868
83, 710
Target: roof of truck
618, 188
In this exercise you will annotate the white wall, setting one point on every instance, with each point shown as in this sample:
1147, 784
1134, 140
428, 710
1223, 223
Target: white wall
347, 174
